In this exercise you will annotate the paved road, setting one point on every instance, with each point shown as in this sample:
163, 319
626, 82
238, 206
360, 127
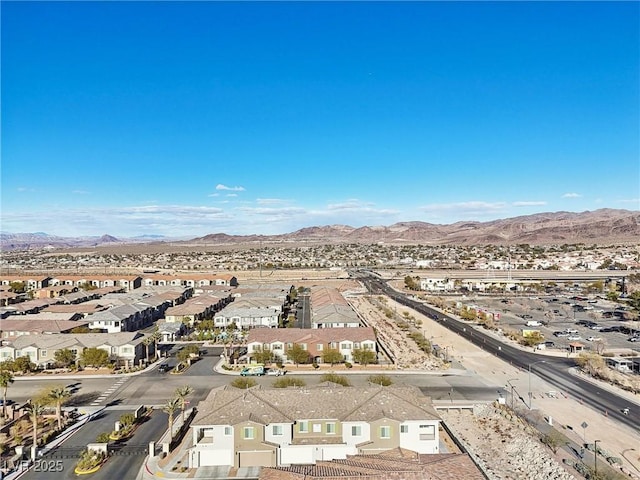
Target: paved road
554, 370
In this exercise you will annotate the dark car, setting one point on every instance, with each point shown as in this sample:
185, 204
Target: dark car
164, 368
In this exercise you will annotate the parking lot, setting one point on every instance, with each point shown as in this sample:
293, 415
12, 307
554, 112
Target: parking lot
562, 319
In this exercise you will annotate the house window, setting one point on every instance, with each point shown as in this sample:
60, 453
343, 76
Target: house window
276, 430
331, 428
289, 345
356, 431
247, 433
317, 428
333, 345
304, 346
319, 347
277, 346
127, 350
404, 428
345, 346
43, 353
304, 427
356, 345
427, 432
228, 431
385, 432
265, 346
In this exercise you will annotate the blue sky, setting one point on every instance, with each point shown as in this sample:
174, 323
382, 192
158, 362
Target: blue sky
188, 118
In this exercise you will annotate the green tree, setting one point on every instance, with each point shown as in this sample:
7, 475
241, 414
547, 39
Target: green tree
262, 356
332, 356
181, 394
18, 287
364, 356
170, 409
6, 379
81, 329
297, 354
24, 364
64, 357
94, 357
58, 396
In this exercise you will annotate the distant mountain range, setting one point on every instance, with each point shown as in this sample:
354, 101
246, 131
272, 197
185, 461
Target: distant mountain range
604, 226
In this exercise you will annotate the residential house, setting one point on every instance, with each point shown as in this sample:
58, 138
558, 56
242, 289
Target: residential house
315, 341
171, 331
280, 427
11, 328
128, 282
329, 309
394, 464
126, 349
247, 317
196, 309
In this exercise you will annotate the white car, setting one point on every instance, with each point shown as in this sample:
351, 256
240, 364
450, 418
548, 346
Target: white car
593, 339
574, 337
276, 371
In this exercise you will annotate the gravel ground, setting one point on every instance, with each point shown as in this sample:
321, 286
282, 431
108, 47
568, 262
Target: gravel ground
505, 447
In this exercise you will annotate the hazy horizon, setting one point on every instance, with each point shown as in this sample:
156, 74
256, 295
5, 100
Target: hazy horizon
183, 119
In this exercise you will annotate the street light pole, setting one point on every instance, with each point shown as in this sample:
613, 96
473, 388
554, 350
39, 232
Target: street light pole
595, 457
530, 394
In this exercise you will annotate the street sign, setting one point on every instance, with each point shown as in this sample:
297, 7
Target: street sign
584, 425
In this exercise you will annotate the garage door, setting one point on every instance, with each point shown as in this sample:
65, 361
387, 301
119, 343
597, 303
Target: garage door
265, 458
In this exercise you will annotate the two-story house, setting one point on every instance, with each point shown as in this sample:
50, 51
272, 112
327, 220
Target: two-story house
125, 349
315, 341
274, 427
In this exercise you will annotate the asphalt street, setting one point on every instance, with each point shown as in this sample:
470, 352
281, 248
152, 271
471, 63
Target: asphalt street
554, 370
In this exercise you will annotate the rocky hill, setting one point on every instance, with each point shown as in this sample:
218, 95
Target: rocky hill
604, 226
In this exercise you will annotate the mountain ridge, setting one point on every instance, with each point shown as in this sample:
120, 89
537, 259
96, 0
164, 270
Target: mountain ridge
596, 226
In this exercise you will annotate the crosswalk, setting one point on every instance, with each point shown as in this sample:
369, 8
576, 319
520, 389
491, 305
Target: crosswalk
103, 396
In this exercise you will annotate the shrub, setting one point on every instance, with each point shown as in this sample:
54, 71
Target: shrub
348, 364
103, 437
243, 382
335, 378
127, 419
380, 379
285, 382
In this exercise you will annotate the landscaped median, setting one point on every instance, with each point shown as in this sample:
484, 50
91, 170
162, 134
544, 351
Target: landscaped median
90, 462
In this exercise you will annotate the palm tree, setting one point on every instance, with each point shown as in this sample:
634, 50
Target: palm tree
58, 395
181, 394
156, 337
170, 408
146, 342
6, 379
34, 410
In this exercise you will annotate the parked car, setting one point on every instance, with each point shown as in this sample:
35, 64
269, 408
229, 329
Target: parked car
571, 330
634, 339
276, 371
163, 368
596, 327
593, 339
574, 337
561, 334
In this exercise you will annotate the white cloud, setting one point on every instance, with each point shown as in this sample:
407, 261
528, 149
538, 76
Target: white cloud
529, 204
271, 201
636, 201
213, 195
232, 195
571, 195
233, 189
80, 192
466, 208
